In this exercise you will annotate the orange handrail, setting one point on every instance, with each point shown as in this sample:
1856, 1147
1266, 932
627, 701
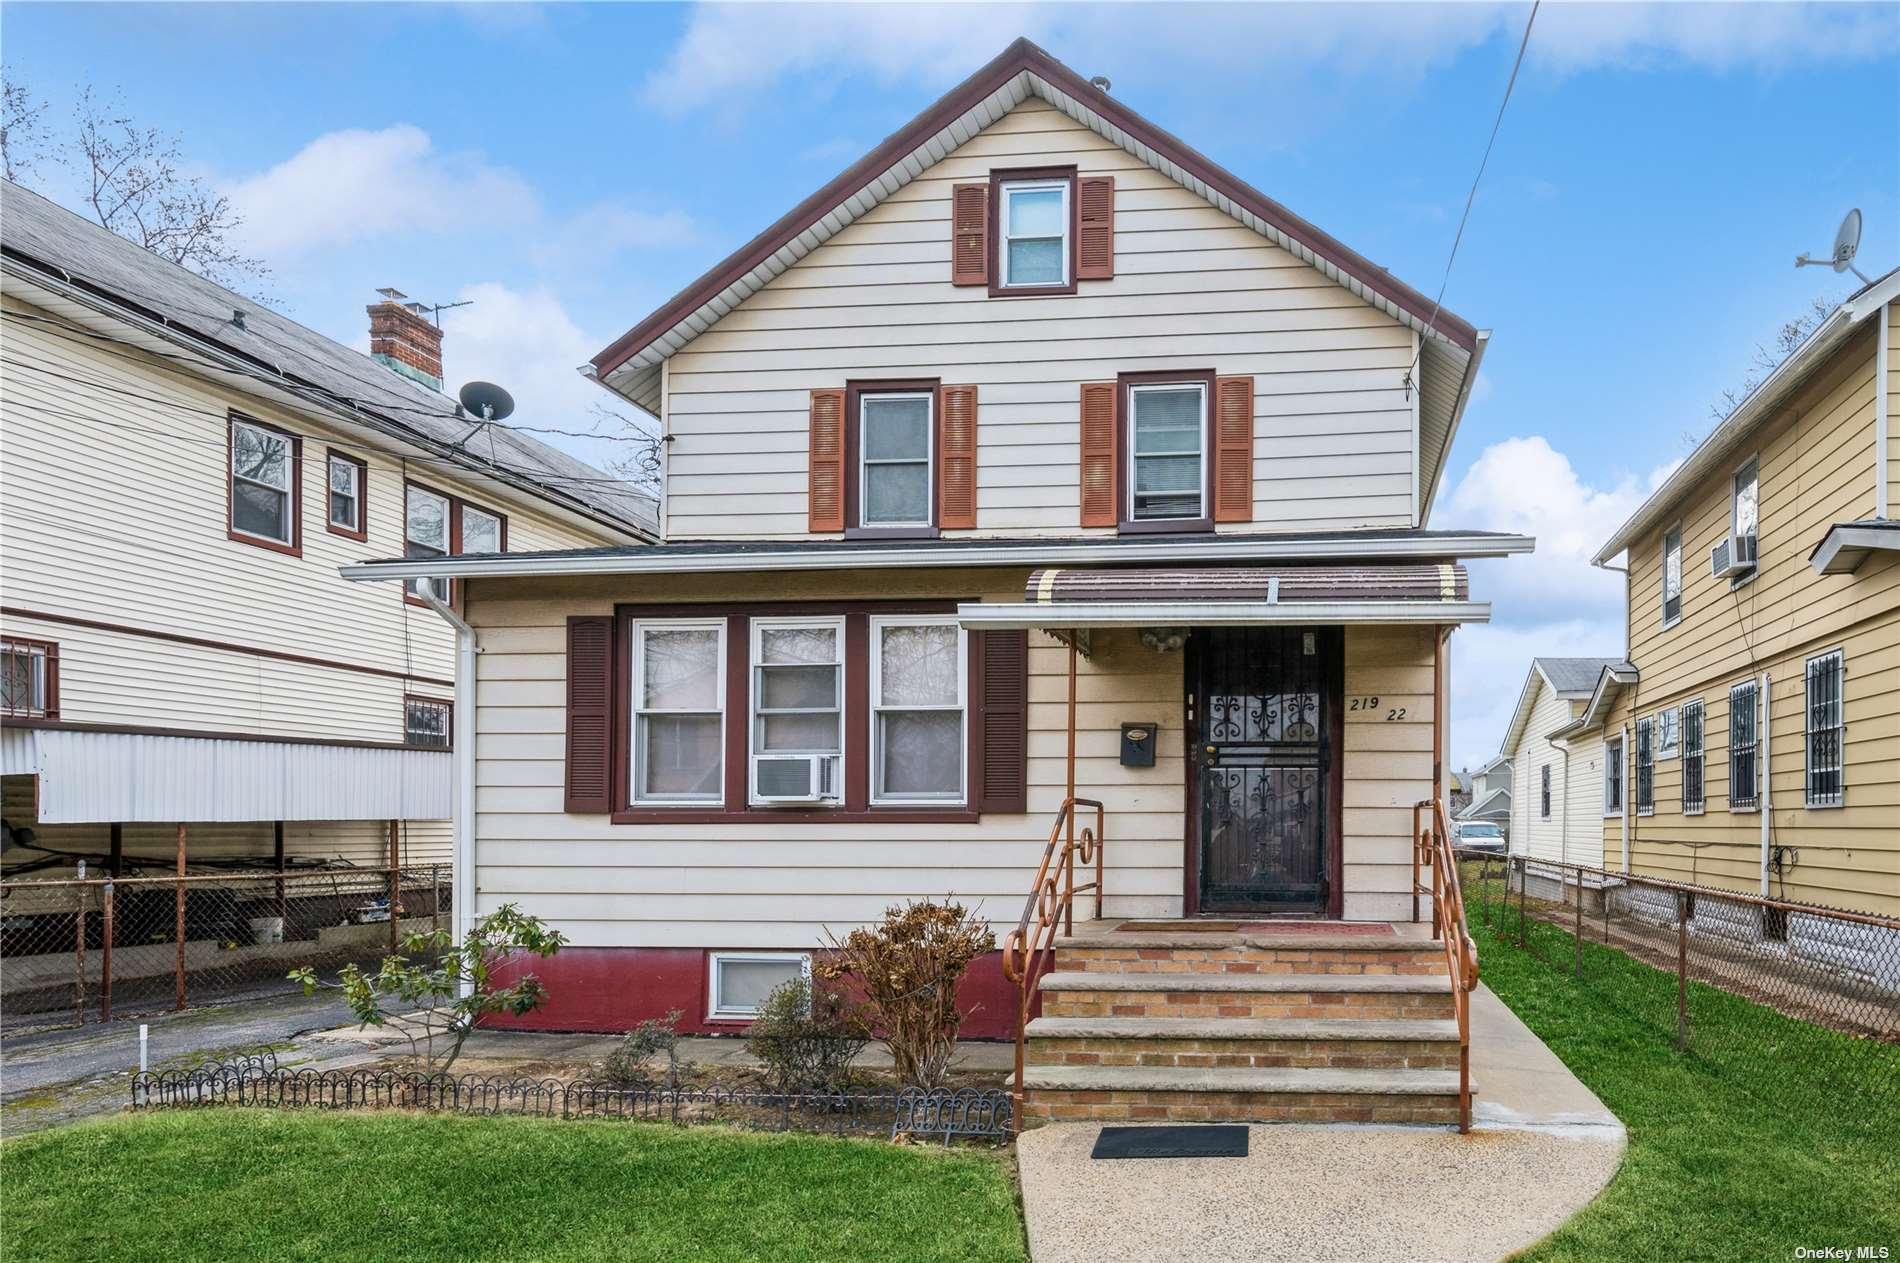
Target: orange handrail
1028, 947
1432, 853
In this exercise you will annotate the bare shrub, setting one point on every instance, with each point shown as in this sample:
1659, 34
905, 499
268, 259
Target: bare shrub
907, 969
630, 1065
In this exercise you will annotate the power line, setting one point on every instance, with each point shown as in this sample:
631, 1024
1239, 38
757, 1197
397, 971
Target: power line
1471, 197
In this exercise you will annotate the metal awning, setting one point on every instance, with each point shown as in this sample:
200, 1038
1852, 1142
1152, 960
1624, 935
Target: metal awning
1236, 596
88, 777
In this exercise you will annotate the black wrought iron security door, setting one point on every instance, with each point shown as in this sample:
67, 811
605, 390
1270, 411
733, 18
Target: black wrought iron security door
1263, 710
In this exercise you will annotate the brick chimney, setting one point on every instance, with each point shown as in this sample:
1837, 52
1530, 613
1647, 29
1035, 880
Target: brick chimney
404, 338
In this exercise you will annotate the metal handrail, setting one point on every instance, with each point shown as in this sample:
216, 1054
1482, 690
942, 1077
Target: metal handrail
1432, 854
1027, 948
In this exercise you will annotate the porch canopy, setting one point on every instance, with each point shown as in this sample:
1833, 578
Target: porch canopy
1437, 594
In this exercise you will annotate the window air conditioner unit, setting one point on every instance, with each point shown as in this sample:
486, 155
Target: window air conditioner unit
1733, 556
797, 778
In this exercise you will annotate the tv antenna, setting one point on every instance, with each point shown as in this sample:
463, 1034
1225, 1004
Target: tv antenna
486, 401
1846, 245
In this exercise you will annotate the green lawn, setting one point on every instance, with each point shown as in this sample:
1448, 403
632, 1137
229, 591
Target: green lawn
1735, 1158
266, 1185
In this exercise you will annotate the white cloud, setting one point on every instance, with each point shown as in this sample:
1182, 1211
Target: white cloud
734, 51
1551, 603
350, 186
526, 341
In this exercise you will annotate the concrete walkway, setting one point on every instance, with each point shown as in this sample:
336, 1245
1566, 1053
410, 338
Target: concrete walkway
1541, 1148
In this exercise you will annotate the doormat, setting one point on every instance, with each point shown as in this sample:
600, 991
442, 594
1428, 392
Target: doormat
1359, 929
1200, 1141
1179, 927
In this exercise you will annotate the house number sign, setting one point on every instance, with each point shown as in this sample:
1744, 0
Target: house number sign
1370, 705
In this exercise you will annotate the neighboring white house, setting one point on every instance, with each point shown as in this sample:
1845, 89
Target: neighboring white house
184, 471
1558, 793
1490, 790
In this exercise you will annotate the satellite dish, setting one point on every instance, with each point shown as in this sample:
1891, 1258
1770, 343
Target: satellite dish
486, 401
1846, 246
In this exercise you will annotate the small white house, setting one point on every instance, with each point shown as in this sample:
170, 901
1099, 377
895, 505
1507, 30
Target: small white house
1559, 791
1490, 790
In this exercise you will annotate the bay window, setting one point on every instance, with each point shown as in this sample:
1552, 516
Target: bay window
263, 486
797, 708
917, 710
679, 695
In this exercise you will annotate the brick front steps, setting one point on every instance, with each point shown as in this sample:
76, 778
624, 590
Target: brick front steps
1250, 1024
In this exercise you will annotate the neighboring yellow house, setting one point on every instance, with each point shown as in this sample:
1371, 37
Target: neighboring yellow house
182, 473
1760, 733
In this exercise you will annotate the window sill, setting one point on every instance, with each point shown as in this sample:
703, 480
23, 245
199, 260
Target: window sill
361, 537
795, 815
1032, 291
892, 532
1167, 526
1744, 811
289, 550
1807, 806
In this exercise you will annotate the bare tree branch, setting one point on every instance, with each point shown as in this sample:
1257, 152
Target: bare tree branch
23, 143
1767, 359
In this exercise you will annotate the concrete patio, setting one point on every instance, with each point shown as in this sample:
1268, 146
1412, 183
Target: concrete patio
1541, 1148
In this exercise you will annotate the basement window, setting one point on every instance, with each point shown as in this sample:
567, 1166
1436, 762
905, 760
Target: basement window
739, 982
29, 679
427, 723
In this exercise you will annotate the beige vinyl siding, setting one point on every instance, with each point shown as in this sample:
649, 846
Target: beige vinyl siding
785, 881
1816, 457
154, 847
1194, 289
113, 508
1892, 462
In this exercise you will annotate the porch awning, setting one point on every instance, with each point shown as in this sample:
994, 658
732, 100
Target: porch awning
1237, 596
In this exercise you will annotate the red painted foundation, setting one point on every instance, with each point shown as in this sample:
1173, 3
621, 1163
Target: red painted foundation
611, 989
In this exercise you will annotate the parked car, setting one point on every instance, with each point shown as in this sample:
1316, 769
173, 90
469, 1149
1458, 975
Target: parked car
1478, 835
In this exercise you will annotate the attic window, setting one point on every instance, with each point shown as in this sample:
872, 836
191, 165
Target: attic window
1033, 236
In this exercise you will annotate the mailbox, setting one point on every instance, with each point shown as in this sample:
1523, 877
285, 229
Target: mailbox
1138, 745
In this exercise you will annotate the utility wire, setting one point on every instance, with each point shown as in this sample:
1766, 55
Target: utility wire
1471, 197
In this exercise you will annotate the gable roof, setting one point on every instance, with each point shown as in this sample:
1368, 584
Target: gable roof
1488, 803
45, 245
1729, 439
1451, 347
1572, 679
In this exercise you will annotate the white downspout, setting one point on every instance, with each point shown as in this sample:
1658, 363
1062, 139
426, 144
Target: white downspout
1767, 802
1628, 765
462, 827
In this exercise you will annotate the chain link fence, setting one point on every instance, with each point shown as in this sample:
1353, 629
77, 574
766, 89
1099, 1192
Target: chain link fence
74, 951
1716, 972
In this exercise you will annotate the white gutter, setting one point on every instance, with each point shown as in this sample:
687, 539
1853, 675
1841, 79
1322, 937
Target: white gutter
1761, 780
462, 824
1062, 614
681, 559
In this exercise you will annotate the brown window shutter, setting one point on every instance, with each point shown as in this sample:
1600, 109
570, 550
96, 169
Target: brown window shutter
970, 234
956, 457
1100, 448
1095, 222
827, 460
1003, 669
1233, 449
590, 694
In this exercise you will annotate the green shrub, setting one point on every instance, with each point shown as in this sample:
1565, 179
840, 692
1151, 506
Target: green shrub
630, 1064
806, 1037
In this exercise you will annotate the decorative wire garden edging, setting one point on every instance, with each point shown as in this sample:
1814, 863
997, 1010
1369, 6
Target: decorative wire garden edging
1710, 969
259, 1081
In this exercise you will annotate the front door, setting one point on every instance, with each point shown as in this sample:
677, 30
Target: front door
1262, 710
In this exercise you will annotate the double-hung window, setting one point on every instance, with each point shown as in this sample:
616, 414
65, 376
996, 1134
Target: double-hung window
263, 491
1668, 733
1613, 776
918, 689
1033, 221
1693, 764
1646, 767
482, 531
798, 709
346, 477
1826, 729
1744, 738
1672, 576
1167, 442
894, 445
1745, 515
1543, 799
679, 711
29, 678
426, 534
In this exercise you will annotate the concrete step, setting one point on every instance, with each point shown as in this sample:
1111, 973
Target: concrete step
1236, 1094
1248, 952
1107, 994
1242, 1043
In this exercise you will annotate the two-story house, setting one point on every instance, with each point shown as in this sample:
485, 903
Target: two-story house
1491, 795
1034, 458
1559, 774
183, 471
1758, 726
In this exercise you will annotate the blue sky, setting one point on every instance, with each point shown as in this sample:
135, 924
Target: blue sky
571, 166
